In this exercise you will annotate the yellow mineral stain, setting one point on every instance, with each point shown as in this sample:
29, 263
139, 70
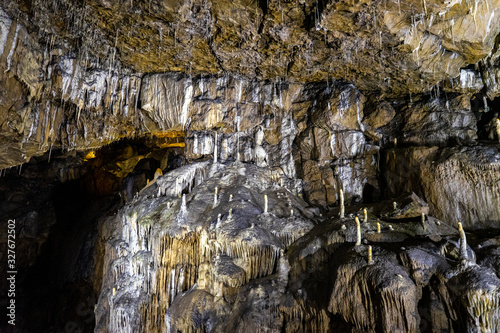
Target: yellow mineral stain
90, 155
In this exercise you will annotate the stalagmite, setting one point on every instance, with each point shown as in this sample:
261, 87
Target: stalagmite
230, 215
365, 215
265, 203
423, 222
342, 208
395, 205
370, 255
395, 142
215, 197
358, 231
291, 212
463, 242
230, 197
183, 204
378, 228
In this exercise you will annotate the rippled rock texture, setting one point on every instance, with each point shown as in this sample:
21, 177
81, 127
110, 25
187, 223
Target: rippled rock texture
462, 183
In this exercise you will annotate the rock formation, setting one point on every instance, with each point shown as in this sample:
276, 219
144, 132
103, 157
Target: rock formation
247, 166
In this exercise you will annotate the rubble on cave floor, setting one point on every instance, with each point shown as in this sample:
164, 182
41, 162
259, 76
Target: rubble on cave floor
224, 264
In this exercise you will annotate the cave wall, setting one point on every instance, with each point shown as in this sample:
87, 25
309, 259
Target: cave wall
315, 131
375, 98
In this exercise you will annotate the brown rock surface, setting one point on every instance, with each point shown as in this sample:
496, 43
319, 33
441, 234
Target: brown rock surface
460, 184
182, 162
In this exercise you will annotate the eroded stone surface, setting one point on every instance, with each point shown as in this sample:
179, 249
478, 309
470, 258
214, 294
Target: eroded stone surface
461, 183
196, 270
296, 101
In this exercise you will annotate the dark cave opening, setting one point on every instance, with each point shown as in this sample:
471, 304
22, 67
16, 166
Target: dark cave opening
59, 290
58, 206
486, 112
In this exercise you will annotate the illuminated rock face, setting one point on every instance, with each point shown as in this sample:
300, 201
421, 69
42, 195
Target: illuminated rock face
232, 266
280, 106
461, 182
391, 46
78, 83
166, 249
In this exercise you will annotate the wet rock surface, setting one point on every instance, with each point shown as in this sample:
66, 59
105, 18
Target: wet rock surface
228, 265
204, 166
377, 45
461, 180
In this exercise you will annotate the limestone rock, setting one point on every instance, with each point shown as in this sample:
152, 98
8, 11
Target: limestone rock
476, 290
383, 284
382, 115
438, 122
407, 207
461, 182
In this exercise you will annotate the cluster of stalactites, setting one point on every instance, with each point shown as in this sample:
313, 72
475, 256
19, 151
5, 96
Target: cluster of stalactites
483, 309
181, 261
298, 313
175, 183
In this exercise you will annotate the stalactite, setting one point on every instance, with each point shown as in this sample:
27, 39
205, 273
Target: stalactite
265, 203
358, 296
298, 314
215, 148
215, 198
183, 179
335, 238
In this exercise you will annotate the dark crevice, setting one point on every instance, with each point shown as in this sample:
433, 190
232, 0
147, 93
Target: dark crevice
58, 207
314, 15
486, 112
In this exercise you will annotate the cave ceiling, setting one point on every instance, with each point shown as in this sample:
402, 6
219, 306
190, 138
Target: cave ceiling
83, 74
394, 46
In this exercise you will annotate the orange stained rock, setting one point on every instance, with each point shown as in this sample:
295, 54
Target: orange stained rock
90, 155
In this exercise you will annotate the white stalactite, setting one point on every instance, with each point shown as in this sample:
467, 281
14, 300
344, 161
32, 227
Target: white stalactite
215, 148
215, 198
